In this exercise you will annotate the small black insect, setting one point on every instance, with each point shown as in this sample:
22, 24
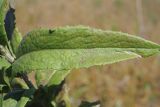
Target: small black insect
51, 31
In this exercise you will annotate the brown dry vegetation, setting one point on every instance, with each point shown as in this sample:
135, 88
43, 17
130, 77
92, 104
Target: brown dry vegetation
134, 83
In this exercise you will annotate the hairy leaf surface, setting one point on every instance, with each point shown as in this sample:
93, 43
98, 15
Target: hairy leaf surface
67, 48
80, 37
16, 39
62, 61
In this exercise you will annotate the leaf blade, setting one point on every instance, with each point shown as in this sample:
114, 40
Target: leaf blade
16, 39
4, 6
66, 60
9, 103
3, 63
80, 37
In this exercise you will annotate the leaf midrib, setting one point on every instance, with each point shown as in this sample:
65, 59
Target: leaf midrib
115, 49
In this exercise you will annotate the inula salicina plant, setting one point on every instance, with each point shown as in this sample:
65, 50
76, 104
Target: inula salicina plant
51, 54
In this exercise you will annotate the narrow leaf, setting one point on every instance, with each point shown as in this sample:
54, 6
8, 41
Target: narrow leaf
18, 82
16, 39
65, 60
80, 37
4, 6
6, 78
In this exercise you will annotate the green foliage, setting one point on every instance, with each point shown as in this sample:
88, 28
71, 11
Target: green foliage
79, 37
70, 48
3, 63
62, 60
3, 10
51, 54
9, 103
16, 39
18, 99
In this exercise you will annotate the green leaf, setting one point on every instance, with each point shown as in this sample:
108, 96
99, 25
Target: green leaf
63, 49
18, 82
1, 87
1, 100
57, 77
79, 37
3, 63
23, 101
65, 60
6, 78
4, 6
9, 103
16, 39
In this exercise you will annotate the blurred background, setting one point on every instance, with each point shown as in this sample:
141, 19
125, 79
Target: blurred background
133, 83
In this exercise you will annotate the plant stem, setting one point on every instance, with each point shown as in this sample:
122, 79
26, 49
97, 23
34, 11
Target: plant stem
27, 81
140, 18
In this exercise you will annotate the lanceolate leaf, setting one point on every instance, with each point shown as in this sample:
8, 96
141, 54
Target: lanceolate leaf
64, 60
4, 6
67, 48
80, 38
4, 64
16, 39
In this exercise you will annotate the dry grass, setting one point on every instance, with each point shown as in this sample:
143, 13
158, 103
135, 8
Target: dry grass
134, 83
